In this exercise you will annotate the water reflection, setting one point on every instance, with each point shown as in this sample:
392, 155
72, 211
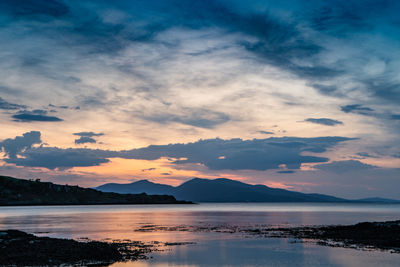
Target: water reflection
211, 249
264, 252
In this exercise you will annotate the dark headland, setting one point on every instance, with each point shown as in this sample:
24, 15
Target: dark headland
18, 248
15, 192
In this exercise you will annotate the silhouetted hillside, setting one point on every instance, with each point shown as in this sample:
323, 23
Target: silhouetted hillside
26, 192
219, 190
137, 188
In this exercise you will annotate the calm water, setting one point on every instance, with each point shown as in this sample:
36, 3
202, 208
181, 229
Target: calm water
210, 249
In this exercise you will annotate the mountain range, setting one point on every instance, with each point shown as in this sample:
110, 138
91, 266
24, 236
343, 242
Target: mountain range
225, 190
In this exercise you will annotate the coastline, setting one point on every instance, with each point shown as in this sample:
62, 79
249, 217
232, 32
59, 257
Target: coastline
20, 248
23, 249
383, 236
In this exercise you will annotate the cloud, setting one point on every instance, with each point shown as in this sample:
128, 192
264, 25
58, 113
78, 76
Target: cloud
198, 117
344, 166
88, 134
238, 154
356, 108
324, 121
9, 106
58, 158
86, 137
265, 132
366, 155
395, 117
345, 16
330, 90
215, 154
35, 115
34, 8
84, 140
384, 88
299, 42
62, 107
14, 146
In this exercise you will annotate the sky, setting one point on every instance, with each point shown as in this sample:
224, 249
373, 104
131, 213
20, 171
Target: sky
301, 95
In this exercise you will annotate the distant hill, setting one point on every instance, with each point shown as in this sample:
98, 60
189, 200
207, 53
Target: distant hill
26, 192
219, 190
137, 188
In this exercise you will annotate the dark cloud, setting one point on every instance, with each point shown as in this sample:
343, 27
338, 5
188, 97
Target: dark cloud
87, 137
265, 132
256, 154
18, 144
395, 117
84, 140
274, 40
88, 134
197, 117
57, 158
356, 108
366, 155
34, 7
324, 121
330, 90
215, 154
35, 115
165, 173
346, 17
7, 105
344, 166
384, 88
54, 106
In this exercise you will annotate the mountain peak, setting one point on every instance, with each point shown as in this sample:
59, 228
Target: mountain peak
144, 181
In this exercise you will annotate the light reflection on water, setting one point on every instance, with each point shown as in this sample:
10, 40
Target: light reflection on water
264, 252
211, 249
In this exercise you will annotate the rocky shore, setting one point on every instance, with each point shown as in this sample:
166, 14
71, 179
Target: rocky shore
365, 235
21, 249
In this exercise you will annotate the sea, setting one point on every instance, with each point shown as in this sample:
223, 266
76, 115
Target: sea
178, 225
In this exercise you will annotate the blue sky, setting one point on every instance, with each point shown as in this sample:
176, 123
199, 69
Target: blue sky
301, 95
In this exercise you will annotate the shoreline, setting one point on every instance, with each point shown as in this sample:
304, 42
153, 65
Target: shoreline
383, 236
364, 235
178, 202
23, 249
20, 248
